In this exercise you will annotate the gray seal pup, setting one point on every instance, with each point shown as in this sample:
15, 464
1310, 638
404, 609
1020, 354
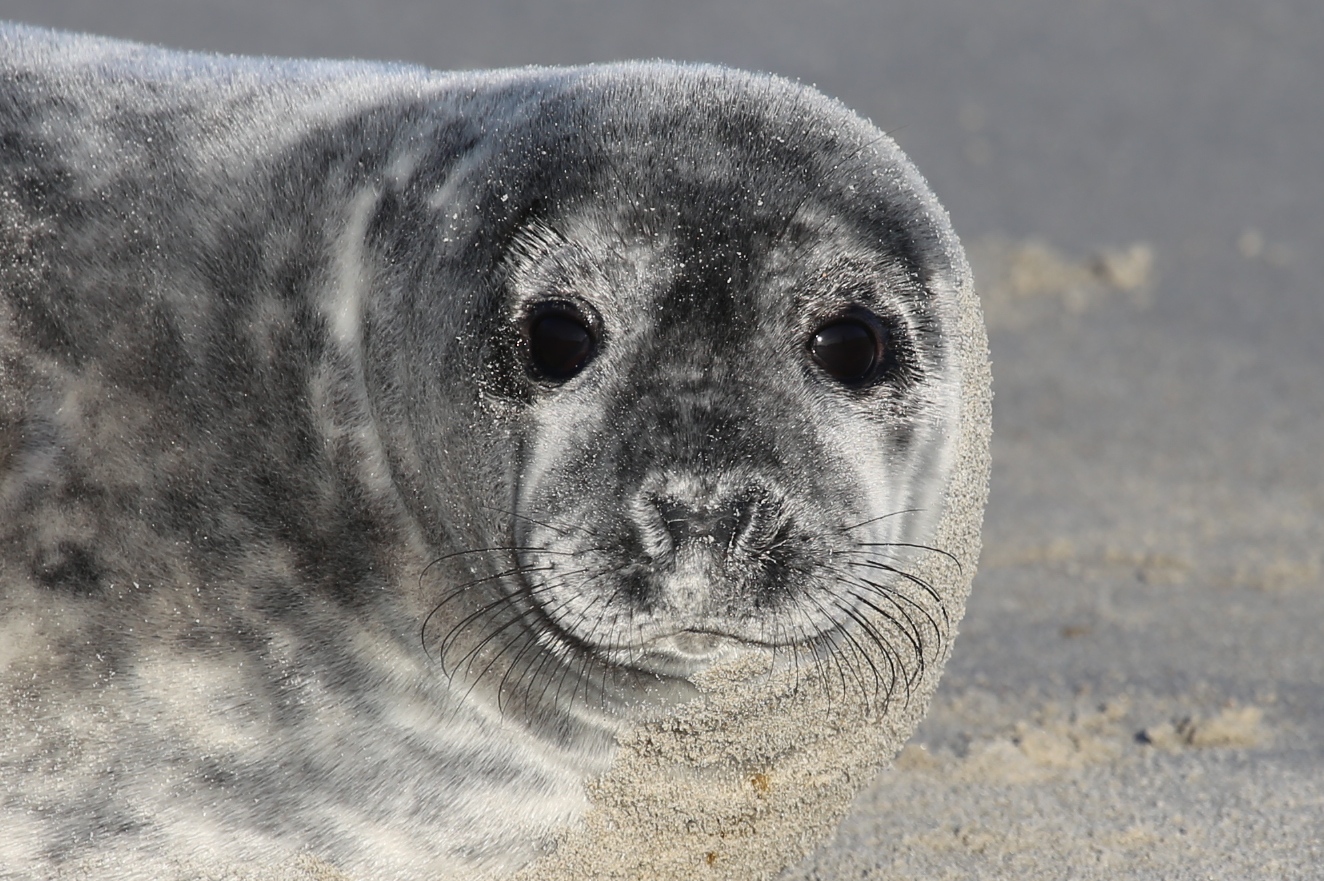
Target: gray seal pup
377, 445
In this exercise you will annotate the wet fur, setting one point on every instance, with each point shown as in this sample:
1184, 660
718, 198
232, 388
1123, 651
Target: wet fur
296, 555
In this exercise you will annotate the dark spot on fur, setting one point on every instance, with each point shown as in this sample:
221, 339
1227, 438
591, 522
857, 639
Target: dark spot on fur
216, 774
68, 566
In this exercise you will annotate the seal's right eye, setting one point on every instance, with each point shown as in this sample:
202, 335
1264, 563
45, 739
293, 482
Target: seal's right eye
852, 350
561, 341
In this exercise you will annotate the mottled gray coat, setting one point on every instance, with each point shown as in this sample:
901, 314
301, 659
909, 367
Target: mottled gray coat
299, 550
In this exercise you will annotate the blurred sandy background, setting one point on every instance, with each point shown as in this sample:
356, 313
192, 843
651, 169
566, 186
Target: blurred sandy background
1138, 690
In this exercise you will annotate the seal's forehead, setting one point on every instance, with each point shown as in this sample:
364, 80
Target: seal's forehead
724, 126
726, 152
676, 118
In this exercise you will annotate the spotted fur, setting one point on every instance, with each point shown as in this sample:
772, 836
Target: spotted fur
297, 555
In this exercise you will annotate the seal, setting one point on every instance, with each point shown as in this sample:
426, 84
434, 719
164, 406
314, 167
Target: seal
377, 444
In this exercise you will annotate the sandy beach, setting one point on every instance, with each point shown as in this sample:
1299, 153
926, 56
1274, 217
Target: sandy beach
1138, 686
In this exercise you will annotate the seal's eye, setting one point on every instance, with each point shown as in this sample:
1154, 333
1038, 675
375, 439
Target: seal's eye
561, 341
849, 350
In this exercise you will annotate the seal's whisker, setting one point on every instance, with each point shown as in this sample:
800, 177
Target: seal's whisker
871, 628
536, 522
897, 670
909, 630
862, 588
589, 638
804, 643
566, 667
861, 654
506, 602
913, 579
454, 593
522, 616
900, 601
882, 517
607, 668
542, 658
922, 547
546, 656
833, 656
897, 598
501, 600
542, 549
544, 588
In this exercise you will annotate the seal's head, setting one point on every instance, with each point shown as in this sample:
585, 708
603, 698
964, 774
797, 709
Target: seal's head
716, 335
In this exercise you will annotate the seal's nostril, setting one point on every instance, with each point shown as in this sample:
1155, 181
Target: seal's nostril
763, 517
653, 526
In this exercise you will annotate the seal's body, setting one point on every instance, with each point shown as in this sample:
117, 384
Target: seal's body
374, 443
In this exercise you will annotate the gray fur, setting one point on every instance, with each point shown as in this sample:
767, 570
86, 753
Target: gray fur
297, 556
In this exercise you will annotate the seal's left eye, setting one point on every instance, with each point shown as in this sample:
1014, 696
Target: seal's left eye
849, 349
561, 342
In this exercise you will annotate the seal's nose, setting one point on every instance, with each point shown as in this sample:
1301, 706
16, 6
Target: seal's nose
685, 523
735, 523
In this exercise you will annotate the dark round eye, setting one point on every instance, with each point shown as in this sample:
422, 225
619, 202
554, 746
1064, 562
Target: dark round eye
561, 342
849, 349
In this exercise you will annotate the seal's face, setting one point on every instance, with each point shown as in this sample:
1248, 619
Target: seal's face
736, 411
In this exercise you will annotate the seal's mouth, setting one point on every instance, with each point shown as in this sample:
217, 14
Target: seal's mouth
692, 647
693, 643
680, 653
